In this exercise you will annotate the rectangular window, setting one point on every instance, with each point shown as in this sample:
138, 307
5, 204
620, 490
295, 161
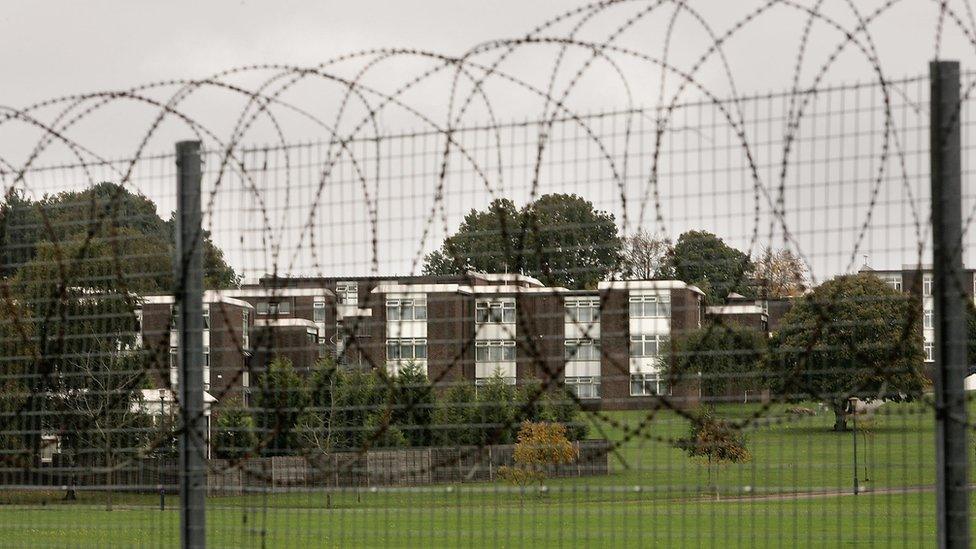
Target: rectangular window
650, 306
927, 285
893, 280
583, 311
406, 309
318, 311
284, 307
347, 293
584, 387
647, 385
206, 356
927, 316
929, 348
494, 351
263, 308
406, 349
646, 345
495, 312
206, 317
582, 349
245, 330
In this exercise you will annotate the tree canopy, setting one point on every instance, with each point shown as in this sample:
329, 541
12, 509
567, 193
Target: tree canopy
727, 357
105, 211
705, 260
561, 239
852, 336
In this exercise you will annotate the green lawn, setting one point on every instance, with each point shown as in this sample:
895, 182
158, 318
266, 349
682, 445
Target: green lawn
654, 496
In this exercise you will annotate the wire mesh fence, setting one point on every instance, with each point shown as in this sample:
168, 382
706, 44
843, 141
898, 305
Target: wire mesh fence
708, 322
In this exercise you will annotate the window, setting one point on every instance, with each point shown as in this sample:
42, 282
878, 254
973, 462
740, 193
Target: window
482, 381
929, 348
650, 306
584, 387
406, 309
206, 317
927, 285
583, 310
893, 280
494, 351
245, 330
318, 311
262, 307
646, 345
406, 349
347, 293
647, 385
582, 349
495, 312
284, 307
172, 359
206, 356
927, 317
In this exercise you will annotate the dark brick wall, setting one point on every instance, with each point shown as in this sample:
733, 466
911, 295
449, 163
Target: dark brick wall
615, 343
541, 324
227, 359
450, 338
747, 320
289, 342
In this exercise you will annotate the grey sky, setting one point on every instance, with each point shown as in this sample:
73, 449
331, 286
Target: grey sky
53, 49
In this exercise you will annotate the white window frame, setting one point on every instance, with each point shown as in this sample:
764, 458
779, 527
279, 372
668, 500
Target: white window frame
262, 308
484, 349
644, 340
245, 329
649, 380
927, 285
406, 343
929, 348
661, 307
206, 316
894, 280
583, 310
494, 311
482, 381
417, 308
928, 318
318, 311
347, 293
577, 384
587, 350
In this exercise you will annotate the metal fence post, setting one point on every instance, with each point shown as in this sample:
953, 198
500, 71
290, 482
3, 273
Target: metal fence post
952, 498
189, 297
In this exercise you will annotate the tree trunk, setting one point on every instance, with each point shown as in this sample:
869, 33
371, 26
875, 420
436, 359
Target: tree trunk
840, 417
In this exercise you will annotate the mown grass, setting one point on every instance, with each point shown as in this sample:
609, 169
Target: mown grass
789, 494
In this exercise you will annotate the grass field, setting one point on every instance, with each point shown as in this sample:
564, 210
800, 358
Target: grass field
794, 492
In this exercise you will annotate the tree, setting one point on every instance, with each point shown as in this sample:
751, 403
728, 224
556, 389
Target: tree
559, 238
280, 398
360, 396
235, 435
496, 411
705, 260
722, 357
716, 441
781, 273
455, 415
540, 446
853, 336
413, 406
644, 255
102, 211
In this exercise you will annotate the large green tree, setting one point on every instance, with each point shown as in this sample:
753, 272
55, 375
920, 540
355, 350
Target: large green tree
705, 260
281, 396
722, 357
102, 211
560, 239
852, 336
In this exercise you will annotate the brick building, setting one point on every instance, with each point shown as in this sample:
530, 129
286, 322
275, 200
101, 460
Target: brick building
603, 344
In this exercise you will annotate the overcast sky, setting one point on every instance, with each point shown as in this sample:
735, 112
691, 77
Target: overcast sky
52, 49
